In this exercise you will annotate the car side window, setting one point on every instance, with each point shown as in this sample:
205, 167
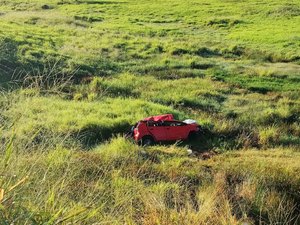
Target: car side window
150, 123
166, 123
154, 124
173, 123
157, 124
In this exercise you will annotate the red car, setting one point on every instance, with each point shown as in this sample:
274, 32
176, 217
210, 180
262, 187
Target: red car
164, 128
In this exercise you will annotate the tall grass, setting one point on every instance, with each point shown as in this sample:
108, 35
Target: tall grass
120, 183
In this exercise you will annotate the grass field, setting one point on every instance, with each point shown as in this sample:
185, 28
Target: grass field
76, 74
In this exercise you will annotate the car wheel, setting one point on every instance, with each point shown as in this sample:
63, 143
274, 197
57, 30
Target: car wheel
147, 141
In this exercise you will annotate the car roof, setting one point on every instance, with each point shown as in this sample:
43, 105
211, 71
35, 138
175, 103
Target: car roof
165, 117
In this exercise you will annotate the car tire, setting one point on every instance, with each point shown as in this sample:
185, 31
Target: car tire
147, 141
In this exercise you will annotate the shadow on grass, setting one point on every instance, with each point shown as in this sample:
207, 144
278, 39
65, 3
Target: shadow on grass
8, 60
208, 140
101, 2
93, 134
93, 2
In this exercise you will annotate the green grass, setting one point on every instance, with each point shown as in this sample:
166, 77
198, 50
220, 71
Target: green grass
139, 33
36, 119
118, 183
75, 75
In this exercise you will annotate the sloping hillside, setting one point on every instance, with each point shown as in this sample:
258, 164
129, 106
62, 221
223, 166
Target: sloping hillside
76, 74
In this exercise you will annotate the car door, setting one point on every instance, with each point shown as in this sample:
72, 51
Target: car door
157, 130
175, 130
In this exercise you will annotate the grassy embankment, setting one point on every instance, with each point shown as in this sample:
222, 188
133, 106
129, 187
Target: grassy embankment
232, 65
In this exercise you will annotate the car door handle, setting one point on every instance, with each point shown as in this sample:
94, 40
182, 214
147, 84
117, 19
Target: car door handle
168, 128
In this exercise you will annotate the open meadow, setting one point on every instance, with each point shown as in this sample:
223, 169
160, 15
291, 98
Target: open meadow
75, 75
